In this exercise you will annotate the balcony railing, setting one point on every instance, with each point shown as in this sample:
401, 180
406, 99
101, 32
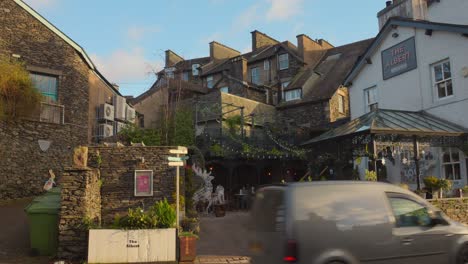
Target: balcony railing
52, 113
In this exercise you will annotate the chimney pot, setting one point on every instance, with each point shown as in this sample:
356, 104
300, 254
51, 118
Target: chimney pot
388, 3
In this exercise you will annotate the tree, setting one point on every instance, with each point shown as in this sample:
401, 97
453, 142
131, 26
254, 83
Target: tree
18, 96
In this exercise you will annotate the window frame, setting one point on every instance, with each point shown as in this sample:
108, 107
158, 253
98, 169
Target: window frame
444, 80
47, 95
370, 106
341, 104
293, 98
395, 195
280, 60
451, 163
195, 71
283, 86
257, 70
185, 76
266, 65
224, 89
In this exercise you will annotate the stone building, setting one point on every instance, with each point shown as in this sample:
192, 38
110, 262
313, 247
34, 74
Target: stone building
78, 104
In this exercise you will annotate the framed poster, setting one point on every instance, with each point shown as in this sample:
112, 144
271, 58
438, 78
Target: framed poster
143, 183
399, 59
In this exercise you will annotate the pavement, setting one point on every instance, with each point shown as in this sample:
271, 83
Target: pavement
14, 234
223, 239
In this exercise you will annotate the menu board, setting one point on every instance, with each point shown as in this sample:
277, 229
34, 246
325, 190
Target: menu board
143, 183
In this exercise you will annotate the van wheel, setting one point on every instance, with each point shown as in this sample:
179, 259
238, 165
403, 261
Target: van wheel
463, 256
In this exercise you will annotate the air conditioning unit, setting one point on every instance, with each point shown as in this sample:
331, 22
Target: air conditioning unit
106, 111
130, 114
105, 130
120, 104
118, 127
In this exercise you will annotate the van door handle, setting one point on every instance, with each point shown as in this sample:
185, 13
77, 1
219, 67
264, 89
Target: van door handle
407, 241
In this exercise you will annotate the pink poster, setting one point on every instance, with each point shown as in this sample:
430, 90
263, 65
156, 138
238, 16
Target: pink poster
143, 184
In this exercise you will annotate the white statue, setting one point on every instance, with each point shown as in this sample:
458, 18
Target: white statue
205, 192
219, 195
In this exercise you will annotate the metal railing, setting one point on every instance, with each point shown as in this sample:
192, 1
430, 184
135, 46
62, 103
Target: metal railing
52, 113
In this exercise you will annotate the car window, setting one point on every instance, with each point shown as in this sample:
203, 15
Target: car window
409, 213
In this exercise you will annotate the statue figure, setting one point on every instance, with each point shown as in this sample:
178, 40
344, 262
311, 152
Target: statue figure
206, 191
219, 195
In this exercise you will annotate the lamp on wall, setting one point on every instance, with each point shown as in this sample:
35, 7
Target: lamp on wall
395, 35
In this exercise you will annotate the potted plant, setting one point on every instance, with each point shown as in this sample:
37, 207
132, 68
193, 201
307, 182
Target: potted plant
219, 209
127, 240
432, 184
189, 224
187, 247
444, 185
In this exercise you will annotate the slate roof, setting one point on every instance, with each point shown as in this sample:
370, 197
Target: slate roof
383, 121
173, 84
321, 82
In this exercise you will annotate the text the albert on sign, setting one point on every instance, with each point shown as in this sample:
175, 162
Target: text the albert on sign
399, 59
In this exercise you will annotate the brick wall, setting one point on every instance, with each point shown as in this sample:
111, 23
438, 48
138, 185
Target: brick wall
81, 201
455, 208
117, 175
23, 165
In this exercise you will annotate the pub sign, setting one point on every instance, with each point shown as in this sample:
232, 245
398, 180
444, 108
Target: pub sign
143, 183
399, 59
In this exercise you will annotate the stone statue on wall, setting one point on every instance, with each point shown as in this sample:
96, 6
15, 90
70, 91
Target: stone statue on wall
80, 157
205, 192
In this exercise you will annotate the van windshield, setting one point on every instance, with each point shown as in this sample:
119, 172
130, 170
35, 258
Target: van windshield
267, 213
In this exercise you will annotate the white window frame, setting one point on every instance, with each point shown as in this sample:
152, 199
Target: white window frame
452, 163
292, 95
283, 61
224, 89
368, 104
341, 103
266, 65
195, 70
444, 81
210, 81
257, 75
284, 85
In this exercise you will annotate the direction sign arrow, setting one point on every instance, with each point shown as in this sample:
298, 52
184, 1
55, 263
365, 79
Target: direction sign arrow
178, 151
176, 163
177, 158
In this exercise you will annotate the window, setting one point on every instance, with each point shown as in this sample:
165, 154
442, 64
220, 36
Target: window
266, 65
195, 69
209, 81
283, 61
47, 85
224, 89
255, 75
443, 79
185, 76
292, 95
284, 85
451, 164
341, 103
409, 213
370, 97
170, 74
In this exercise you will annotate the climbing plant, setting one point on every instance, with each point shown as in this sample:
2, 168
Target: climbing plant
18, 96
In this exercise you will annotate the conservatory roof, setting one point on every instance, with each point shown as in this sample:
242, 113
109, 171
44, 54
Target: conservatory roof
382, 121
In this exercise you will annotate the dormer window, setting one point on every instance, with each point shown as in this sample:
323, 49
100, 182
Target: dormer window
283, 61
195, 69
209, 81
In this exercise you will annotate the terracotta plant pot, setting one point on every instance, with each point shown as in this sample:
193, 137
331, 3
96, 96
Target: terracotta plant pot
188, 249
219, 210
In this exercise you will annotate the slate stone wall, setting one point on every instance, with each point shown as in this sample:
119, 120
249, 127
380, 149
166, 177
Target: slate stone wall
24, 167
81, 206
455, 208
117, 175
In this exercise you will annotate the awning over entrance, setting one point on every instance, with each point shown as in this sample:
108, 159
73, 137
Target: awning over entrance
382, 121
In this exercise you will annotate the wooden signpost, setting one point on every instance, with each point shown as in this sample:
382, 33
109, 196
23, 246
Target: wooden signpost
177, 162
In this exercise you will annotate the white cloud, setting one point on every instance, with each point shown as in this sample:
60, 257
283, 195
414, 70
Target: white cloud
283, 9
126, 65
41, 3
137, 33
246, 19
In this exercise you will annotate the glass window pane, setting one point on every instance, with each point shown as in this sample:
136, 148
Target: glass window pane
409, 213
448, 172
455, 155
446, 157
47, 86
447, 73
448, 84
456, 171
441, 90
438, 73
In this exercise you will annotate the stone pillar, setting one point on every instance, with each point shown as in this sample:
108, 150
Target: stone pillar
81, 207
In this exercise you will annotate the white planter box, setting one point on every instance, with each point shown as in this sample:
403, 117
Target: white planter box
132, 246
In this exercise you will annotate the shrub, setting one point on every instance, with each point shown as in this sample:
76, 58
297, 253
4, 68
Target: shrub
136, 219
371, 175
165, 214
431, 182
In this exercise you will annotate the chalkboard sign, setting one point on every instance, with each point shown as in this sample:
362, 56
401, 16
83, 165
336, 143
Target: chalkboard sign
399, 59
143, 183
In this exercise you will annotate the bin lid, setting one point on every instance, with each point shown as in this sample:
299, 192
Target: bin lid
47, 199
43, 207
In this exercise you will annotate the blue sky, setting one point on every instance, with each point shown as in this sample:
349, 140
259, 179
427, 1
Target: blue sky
127, 38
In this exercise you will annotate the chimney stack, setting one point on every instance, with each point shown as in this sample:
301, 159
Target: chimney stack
172, 58
310, 50
219, 51
412, 9
260, 39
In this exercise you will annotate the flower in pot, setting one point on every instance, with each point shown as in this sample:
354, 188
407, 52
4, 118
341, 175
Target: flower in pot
187, 246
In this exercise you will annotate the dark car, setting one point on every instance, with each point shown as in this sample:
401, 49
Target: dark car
351, 222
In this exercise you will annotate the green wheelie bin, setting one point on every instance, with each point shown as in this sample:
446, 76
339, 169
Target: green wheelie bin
43, 215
